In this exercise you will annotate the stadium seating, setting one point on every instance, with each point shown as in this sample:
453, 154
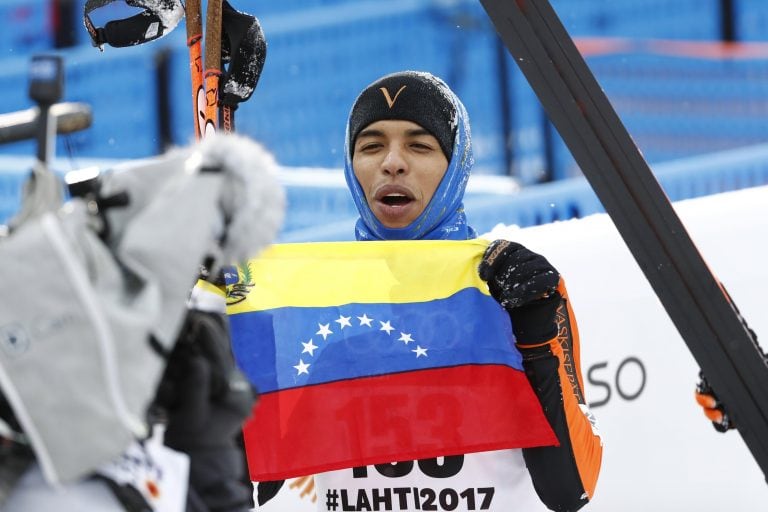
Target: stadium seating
121, 88
676, 106
323, 210
751, 20
663, 19
27, 27
675, 101
318, 61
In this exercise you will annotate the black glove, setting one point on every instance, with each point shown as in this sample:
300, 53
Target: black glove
711, 405
244, 50
713, 408
525, 284
206, 399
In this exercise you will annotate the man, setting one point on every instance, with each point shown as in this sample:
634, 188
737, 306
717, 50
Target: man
408, 159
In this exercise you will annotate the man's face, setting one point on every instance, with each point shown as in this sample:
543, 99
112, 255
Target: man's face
399, 165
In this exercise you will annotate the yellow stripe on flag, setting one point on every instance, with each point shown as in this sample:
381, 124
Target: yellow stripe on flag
334, 273
207, 287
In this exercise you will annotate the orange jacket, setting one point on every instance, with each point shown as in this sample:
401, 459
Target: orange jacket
564, 476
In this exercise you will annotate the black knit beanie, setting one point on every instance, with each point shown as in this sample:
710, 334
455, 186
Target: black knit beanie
407, 96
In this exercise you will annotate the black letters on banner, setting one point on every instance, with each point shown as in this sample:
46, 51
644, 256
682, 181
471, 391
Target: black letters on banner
618, 383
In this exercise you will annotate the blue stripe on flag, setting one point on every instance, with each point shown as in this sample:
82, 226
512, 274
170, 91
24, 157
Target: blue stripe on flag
291, 347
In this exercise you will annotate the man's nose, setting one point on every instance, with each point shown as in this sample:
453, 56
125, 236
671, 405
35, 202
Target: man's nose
394, 162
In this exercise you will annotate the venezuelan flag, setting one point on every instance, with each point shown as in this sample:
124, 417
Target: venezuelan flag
375, 352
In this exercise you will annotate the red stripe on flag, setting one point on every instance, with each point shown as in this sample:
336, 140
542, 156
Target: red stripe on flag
406, 416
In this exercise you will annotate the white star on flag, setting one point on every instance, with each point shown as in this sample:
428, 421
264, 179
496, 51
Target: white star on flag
420, 351
303, 367
386, 326
343, 321
309, 347
405, 338
324, 330
364, 320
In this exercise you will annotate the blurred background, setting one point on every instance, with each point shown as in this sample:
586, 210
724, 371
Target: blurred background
689, 78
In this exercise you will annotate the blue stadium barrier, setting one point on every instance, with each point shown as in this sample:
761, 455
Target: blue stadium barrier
14, 170
14, 84
263, 9
320, 209
121, 88
664, 19
320, 59
681, 179
574, 198
676, 107
27, 27
322, 52
751, 20
681, 19
122, 91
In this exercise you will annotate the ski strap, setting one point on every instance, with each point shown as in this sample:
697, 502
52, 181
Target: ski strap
158, 18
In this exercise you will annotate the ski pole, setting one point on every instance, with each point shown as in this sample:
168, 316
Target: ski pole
212, 65
194, 43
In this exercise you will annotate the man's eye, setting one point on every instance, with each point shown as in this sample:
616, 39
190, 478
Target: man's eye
371, 146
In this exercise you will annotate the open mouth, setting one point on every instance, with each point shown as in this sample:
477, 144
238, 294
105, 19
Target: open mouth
394, 196
396, 199
394, 205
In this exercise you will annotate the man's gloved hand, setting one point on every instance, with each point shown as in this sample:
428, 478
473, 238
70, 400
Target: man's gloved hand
515, 275
525, 284
206, 400
205, 396
712, 406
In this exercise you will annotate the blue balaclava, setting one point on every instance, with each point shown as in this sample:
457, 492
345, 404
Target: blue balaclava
427, 101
